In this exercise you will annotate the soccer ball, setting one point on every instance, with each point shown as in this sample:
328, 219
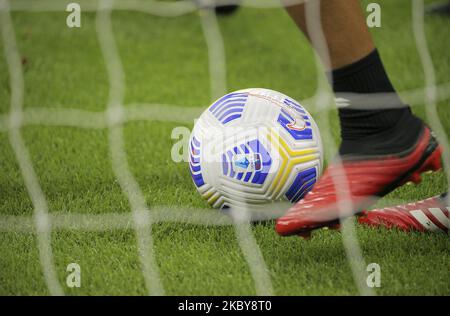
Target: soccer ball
252, 147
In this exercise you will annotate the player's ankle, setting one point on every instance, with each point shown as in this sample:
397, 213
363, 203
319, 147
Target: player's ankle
373, 118
393, 139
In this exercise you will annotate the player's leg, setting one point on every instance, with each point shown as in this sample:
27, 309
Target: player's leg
343, 24
383, 144
359, 75
427, 215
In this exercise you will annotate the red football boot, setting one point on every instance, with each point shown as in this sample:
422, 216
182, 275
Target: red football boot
427, 215
359, 181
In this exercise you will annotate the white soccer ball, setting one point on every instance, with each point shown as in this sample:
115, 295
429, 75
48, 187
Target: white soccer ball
254, 146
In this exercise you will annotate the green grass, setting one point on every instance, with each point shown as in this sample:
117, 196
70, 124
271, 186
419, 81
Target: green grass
166, 61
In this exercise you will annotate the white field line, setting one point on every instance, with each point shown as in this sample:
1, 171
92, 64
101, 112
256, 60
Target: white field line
101, 222
116, 221
323, 97
142, 219
40, 208
73, 117
158, 8
430, 83
218, 83
161, 112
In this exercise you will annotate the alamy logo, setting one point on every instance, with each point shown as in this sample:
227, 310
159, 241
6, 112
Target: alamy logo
374, 17
74, 277
74, 18
374, 278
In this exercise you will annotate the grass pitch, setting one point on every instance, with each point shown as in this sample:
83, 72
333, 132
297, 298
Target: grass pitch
165, 60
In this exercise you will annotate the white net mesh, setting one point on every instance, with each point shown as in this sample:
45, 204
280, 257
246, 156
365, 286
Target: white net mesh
142, 217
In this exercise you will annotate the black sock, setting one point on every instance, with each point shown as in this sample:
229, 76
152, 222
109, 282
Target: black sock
373, 119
